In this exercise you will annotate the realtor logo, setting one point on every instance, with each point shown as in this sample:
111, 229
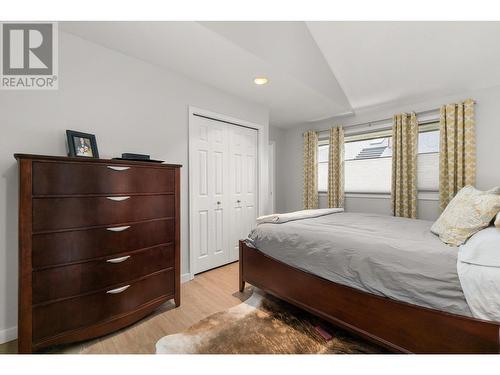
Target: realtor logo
29, 56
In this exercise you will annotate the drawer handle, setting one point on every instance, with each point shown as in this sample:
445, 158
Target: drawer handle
118, 260
119, 169
117, 199
118, 229
118, 290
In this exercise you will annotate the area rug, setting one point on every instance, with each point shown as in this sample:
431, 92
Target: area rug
264, 325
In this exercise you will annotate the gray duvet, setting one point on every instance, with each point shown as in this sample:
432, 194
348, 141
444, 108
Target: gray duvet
388, 256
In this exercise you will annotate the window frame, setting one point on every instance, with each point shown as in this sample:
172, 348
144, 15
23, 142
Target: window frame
323, 142
424, 127
429, 126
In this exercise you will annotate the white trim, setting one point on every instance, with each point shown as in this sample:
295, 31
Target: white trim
272, 183
8, 334
428, 195
185, 277
433, 115
369, 195
422, 195
262, 166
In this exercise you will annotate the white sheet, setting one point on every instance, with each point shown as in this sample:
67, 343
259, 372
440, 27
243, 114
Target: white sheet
388, 256
478, 266
297, 215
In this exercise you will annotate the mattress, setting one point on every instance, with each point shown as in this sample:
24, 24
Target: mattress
388, 256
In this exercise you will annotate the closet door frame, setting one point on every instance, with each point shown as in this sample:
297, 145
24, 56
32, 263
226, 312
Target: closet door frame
261, 175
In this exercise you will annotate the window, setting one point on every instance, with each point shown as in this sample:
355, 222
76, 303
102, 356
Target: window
368, 164
323, 165
428, 159
368, 161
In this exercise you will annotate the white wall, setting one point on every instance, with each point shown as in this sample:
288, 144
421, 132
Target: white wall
278, 136
488, 141
130, 105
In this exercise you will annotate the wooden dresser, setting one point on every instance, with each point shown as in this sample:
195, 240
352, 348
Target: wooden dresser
99, 246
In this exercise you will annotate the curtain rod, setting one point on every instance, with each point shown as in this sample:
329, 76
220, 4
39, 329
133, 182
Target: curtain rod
370, 123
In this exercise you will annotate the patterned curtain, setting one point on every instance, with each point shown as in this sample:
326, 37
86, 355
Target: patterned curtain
336, 168
457, 153
404, 165
310, 170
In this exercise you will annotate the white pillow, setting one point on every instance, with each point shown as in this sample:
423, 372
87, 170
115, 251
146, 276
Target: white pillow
497, 221
478, 268
482, 249
468, 212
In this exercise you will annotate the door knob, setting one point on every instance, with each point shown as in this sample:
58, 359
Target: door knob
238, 201
218, 202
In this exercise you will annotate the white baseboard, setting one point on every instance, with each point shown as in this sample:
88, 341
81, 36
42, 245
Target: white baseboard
185, 277
8, 334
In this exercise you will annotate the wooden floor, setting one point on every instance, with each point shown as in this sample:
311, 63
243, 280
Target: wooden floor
208, 293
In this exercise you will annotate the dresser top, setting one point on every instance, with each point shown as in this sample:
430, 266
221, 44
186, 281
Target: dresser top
92, 160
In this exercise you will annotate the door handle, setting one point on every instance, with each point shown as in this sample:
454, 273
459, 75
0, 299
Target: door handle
238, 201
118, 229
118, 199
119, 169
118, 260
118, 290
218, 202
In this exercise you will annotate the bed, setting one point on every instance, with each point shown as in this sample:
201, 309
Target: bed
387, 279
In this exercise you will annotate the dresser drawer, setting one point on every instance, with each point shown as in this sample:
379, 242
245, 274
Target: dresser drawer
78, 312
71, 280
73, 246
71, 178
66, 213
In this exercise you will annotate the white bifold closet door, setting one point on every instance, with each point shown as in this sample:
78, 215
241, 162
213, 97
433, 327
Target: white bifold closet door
223, 188
242, 185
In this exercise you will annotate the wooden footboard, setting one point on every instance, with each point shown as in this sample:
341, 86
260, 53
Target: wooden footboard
399, 326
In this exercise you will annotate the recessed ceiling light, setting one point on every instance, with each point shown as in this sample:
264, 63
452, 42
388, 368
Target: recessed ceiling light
260, 80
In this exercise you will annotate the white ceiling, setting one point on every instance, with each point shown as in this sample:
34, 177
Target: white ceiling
316, 70
380, 62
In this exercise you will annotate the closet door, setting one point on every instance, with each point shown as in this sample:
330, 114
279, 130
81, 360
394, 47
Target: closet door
243, 185
209, 162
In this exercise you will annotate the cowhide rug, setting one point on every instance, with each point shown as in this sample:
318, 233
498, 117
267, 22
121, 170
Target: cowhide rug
263, 325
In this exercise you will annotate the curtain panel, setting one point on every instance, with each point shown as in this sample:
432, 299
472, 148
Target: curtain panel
404, 165
457, 154
310, 199
336, 168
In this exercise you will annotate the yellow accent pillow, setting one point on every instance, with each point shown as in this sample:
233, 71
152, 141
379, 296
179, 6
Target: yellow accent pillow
468, 212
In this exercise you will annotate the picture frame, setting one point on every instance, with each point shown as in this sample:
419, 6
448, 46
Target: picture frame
82, 145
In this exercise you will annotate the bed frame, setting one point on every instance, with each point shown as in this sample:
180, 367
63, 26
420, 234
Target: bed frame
398, 326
